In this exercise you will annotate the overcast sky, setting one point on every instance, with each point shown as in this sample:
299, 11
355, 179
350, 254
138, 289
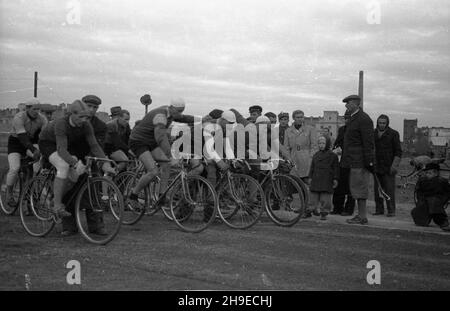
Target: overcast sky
282, 55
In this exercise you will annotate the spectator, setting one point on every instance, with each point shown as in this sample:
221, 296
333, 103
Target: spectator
358, 155
255, 112
300, 143
272, 117
324, 174
433, 192
343, 202
388, 153
283, 119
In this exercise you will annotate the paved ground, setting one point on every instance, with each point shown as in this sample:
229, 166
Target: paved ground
155, 255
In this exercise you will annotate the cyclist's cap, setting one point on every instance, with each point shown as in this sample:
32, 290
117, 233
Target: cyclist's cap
177, 102
262, 119
78, 107
229, 116
92, 99
32, 102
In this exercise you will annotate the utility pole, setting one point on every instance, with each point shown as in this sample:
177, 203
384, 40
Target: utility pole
35, 83
361, 88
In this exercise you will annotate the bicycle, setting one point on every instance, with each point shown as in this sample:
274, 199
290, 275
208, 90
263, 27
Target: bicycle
89, 195
192, 199
241, 198
284, 195
25, 173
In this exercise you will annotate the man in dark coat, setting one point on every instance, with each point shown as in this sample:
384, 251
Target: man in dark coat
358, 155
388, 153
342, 193
433, 193
283, 118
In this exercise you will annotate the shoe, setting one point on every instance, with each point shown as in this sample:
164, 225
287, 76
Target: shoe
390, 215
66, 233
323, 216
335, 213
99, 231
357, 221
60, 211
316, 213
306, 215
378, 213
346, 214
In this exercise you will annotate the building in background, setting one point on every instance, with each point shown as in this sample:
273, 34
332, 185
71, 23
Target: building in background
330, 120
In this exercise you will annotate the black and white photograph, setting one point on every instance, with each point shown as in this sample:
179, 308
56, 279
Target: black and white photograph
225, 152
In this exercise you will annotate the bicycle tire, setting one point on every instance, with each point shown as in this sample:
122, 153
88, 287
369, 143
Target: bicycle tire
280, 200
91, 189
195, 218
36, 197
241, 216
133, 211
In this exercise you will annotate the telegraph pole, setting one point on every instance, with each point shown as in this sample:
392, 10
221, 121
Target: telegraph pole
361, 88
35, 83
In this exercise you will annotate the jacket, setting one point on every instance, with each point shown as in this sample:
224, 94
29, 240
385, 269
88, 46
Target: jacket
359, 145
387, 147
324, 169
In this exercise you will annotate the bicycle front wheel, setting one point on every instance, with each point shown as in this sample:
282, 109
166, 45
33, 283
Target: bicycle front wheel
102, 203
193, 203
134, 210
285, 200
35, 210
241, 201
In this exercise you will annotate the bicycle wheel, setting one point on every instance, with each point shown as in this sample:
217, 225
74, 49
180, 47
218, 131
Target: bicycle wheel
193, 206
134, 210
99, 213
152, 208
241, 201
35, 207
302, 184
285, 200
10, 206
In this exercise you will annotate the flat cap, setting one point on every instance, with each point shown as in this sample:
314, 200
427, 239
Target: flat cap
255, 108
92, 99
216, 113
351, 97
116, 110
283, 115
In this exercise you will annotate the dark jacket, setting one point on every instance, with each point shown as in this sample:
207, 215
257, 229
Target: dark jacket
339, 142
324, 169
359, 145
100, 130
386, 148
117, 136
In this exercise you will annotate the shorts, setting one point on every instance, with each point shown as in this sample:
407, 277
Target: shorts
15, 146
359, 183
139, 148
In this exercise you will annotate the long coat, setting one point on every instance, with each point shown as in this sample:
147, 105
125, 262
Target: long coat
324, 169
386, 148
359, 145
301, 145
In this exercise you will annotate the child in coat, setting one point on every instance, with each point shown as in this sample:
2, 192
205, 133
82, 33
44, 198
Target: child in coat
323, 177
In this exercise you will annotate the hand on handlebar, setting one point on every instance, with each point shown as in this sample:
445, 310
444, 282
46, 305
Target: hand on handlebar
223, 165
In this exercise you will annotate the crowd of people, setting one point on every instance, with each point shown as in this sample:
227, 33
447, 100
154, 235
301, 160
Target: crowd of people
337, 170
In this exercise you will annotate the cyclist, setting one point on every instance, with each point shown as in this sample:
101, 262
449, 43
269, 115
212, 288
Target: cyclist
60, 141
117, 136
149, 140
22, 141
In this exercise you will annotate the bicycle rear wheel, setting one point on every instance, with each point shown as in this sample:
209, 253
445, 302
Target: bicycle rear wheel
35, 210
10, 206
242, 202
99, 213
197, 215
285, 200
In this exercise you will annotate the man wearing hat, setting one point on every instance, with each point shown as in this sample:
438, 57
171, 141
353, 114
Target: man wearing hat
283, 119
272, 117
117, 136
358, 154
255, 112
433, 194
343, 202
93, 102
149, 141
60, 142
22, 141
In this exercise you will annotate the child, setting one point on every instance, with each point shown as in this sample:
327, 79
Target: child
323, 176
433, 192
